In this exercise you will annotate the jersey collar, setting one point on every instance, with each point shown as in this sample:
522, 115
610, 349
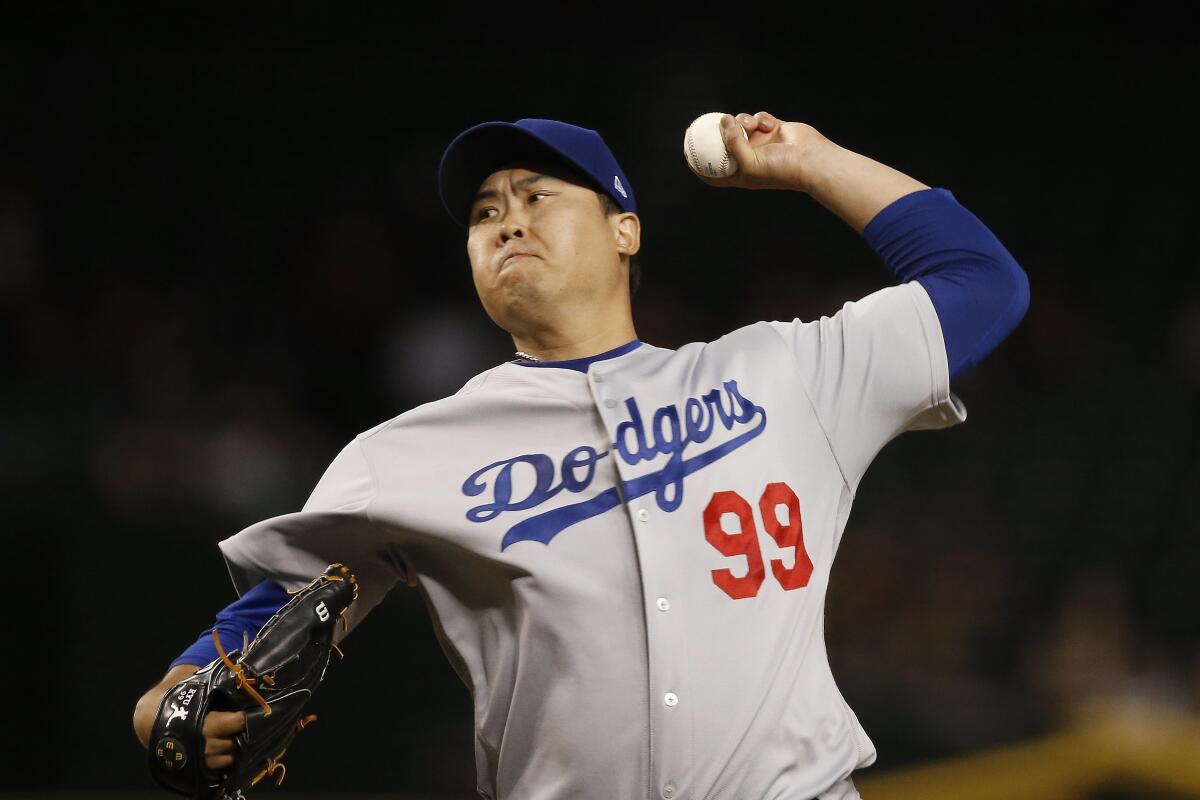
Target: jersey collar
581, 364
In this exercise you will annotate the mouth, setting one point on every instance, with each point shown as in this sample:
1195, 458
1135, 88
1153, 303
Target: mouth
513, 258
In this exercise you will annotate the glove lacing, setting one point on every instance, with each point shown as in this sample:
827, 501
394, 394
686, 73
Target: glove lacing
241, 679
246, 683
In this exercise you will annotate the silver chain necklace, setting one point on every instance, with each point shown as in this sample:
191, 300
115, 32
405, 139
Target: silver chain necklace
526, 356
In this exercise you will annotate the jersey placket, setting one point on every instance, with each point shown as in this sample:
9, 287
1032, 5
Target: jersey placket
670, 703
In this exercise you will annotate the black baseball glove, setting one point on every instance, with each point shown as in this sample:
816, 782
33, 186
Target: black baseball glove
271, 682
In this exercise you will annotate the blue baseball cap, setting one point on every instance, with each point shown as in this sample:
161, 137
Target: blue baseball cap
481, 150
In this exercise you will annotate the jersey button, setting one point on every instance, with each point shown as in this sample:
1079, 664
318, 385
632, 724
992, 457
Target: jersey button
597, 377
670, 699
610, 403
663, 604
643, 514
669, 791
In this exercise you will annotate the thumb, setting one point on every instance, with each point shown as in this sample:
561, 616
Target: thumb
737, 141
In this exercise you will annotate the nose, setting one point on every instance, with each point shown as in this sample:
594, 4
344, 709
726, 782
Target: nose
510, 229
514, 222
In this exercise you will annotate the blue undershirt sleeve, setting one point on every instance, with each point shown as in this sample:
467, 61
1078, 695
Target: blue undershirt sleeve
979, 291
246, 615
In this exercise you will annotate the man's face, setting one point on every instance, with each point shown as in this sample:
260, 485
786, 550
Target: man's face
541, 247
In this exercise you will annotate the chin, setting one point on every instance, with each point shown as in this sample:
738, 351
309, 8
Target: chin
524, 300
516, 281
515, 299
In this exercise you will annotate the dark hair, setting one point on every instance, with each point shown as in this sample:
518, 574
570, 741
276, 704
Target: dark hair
610, 207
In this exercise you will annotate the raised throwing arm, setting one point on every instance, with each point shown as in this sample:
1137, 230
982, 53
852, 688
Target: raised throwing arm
924, 234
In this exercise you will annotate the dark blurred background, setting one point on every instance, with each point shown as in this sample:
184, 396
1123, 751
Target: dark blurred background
222, 255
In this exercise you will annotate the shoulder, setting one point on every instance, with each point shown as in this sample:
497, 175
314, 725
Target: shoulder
756, 337
897, 311
884, 306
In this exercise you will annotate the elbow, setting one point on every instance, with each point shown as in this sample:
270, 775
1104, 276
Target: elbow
979, 307
145, 711
143, 718
1018, 293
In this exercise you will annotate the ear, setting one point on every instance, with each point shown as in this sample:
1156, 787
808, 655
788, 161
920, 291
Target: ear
627, 230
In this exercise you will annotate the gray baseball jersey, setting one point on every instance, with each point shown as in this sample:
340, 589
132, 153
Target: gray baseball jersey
627, 567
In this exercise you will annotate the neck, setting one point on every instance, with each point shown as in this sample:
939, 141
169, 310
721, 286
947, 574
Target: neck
551, 347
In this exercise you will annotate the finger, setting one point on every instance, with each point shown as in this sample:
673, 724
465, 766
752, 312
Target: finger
218, 762
722, 183
224, 724
217, 747
712, 181
749, 121
737, 141
765, 121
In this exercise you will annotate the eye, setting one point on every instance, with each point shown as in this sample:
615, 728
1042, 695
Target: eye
482, 213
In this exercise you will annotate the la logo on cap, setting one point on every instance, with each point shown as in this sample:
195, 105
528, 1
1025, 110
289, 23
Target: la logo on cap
617, 185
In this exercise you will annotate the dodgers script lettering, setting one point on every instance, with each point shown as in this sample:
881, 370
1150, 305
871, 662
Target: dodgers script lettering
669, 433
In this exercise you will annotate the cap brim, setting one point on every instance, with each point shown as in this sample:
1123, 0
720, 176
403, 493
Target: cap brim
479, 151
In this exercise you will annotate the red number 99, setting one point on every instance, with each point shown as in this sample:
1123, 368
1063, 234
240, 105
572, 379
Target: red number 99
744, 542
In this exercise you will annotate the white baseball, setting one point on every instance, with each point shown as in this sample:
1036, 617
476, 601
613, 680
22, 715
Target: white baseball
704, 148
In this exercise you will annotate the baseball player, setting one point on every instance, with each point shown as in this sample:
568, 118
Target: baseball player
624, 548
